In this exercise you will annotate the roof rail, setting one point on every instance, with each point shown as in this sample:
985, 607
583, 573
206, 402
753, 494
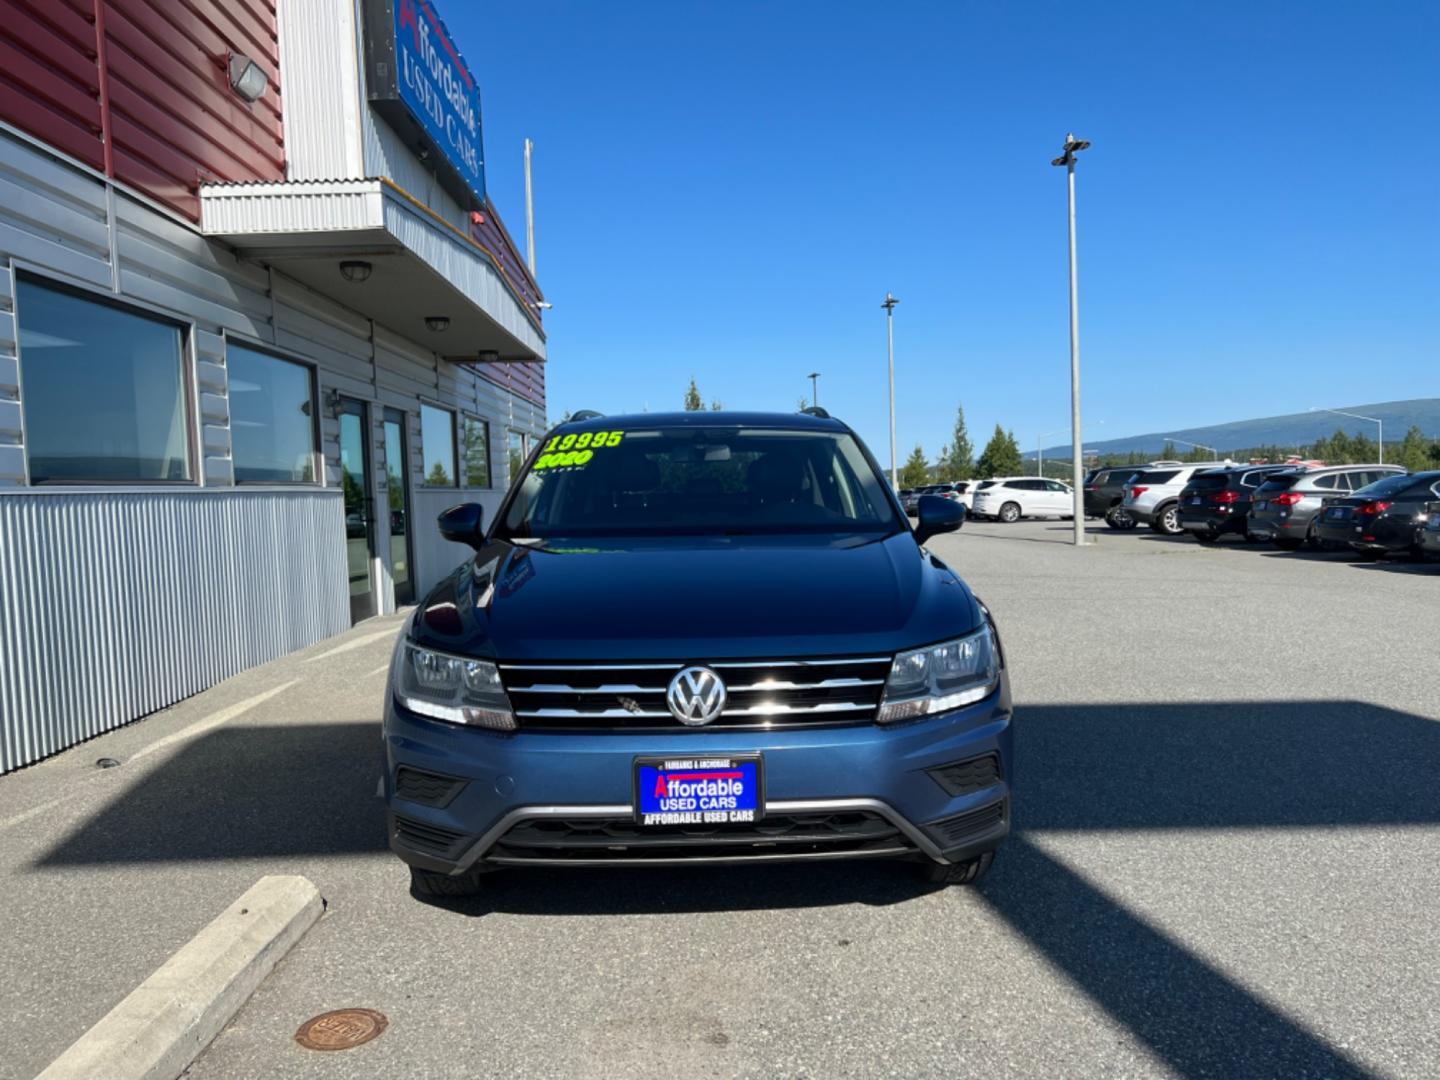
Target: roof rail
586, 414
817, 411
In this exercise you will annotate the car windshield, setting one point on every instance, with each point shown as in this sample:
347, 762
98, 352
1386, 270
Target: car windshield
1209, 481
696, 481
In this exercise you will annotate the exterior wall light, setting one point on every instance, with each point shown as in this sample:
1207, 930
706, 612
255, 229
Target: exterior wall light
437, 324
489, 356
356, 270
247, 78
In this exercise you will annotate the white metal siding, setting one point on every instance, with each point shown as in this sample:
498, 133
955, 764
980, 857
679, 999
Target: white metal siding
115, 605
319, 70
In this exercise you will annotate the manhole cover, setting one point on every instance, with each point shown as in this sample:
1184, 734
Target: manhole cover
341, 1029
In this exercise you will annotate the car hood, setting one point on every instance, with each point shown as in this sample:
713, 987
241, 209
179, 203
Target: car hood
703, 598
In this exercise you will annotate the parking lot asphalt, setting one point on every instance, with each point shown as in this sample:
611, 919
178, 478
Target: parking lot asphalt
1226, 858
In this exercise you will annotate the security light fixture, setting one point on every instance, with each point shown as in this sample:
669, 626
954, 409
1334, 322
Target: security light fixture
1072, 147
544, 305
247, 78
489, 356
437, 324
355, 270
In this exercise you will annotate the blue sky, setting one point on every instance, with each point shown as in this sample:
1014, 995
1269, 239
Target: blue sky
727, 190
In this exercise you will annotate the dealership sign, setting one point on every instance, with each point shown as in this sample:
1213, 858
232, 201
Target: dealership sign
421, 86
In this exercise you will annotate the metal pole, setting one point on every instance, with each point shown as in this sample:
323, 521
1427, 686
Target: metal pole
529, 211
1078, 472
889, 307
815, 388
1040, 456
1381, 425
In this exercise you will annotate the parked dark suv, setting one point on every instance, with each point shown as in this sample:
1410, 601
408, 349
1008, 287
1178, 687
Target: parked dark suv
1380, 519
1105, 491
697, 637
1218, 501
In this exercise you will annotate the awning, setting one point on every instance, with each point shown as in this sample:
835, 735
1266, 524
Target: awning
421, 266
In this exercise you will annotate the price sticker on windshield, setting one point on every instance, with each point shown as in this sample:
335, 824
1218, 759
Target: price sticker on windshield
574, 451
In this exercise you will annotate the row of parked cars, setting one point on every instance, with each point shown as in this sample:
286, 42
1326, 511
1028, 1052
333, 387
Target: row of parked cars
1372, 509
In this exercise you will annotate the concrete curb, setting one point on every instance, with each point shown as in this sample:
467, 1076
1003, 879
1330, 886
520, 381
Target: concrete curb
162, 1026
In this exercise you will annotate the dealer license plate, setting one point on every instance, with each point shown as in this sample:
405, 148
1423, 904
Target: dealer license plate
1337, 513
1196, 500
724, 790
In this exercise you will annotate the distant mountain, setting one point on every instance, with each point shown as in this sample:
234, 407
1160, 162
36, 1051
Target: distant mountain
1292, 430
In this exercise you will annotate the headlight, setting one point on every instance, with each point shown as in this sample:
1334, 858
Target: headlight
458, 689
941, 677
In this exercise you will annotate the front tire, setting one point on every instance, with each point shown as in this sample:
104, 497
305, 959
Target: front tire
1010, 513
1167, 521
428, 883
961, 873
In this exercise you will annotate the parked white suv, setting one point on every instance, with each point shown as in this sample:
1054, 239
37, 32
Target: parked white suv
1009, 498
1153, 496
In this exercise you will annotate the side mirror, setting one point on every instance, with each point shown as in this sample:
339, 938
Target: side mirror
937, 516
464, 524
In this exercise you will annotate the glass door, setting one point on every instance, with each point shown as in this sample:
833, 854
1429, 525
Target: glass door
397, 481
359, 507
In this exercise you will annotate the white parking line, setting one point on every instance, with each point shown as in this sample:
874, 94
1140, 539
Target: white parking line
214, 720
354, 643
199, 727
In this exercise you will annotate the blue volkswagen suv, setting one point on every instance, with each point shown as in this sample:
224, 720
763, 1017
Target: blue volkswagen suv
697, 638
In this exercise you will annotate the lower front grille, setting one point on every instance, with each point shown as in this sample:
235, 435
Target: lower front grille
952, 832
968, 777
426, 788
428, 839
776, 836
760, 694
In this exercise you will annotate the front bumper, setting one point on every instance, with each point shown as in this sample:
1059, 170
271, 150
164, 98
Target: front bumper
488, 800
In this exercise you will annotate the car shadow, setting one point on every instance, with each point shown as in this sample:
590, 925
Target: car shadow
308, 790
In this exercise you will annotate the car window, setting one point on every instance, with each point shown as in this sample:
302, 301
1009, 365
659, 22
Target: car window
1333, 482
1277, 482
719, 480
1157, 476
1390, 485
1055, 485
1254, 479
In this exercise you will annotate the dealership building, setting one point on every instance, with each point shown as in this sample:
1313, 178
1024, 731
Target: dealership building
259, 323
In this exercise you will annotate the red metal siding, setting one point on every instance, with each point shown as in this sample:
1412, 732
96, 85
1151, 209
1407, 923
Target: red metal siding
175, 122
152, 75
492, 235
49, 78
527, 380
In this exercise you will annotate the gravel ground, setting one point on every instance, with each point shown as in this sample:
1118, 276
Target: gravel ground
1227, 849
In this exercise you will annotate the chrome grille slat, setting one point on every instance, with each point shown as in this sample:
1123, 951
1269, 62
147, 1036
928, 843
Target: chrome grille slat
766, 694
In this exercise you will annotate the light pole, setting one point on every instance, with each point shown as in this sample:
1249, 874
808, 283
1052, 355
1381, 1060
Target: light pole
1380, 424
1040, 449
1195, 445
1067, 158
889, 306
814, 387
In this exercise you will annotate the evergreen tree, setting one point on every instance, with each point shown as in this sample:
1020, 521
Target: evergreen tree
1414, 453
693, 401
916, 470
961, 457
438, 476
1001, 456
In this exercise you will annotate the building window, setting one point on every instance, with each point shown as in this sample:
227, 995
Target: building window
104, 390
519, 448
475, 451
437, 443
272, 418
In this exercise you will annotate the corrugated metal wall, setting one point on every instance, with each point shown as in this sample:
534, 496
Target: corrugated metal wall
114, 605
97, 587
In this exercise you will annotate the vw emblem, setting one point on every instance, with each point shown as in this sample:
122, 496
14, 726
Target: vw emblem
696, 696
